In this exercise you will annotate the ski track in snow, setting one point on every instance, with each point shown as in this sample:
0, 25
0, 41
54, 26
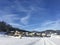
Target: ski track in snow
5, 40
48, 42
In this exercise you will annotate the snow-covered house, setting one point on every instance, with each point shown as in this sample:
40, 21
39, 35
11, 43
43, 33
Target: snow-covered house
38, 34
44, 35
15, 33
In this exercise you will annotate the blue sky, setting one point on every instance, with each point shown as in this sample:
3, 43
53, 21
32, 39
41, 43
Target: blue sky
33, 15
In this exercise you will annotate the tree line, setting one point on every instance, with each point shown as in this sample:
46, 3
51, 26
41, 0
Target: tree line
4, 27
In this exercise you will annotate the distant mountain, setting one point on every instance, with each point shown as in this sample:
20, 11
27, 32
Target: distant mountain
58, 31
51, 31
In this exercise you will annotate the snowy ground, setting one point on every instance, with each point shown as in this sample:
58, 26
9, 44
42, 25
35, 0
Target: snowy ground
5, 40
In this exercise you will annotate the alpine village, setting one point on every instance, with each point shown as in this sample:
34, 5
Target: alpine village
17, 32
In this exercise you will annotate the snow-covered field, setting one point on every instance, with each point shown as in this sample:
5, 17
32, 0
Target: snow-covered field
5, 40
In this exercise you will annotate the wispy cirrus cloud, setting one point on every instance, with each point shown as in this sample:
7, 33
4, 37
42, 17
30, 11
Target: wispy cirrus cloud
8, 18
32, 14
9, 14
49, 25
11, 19
25, 20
